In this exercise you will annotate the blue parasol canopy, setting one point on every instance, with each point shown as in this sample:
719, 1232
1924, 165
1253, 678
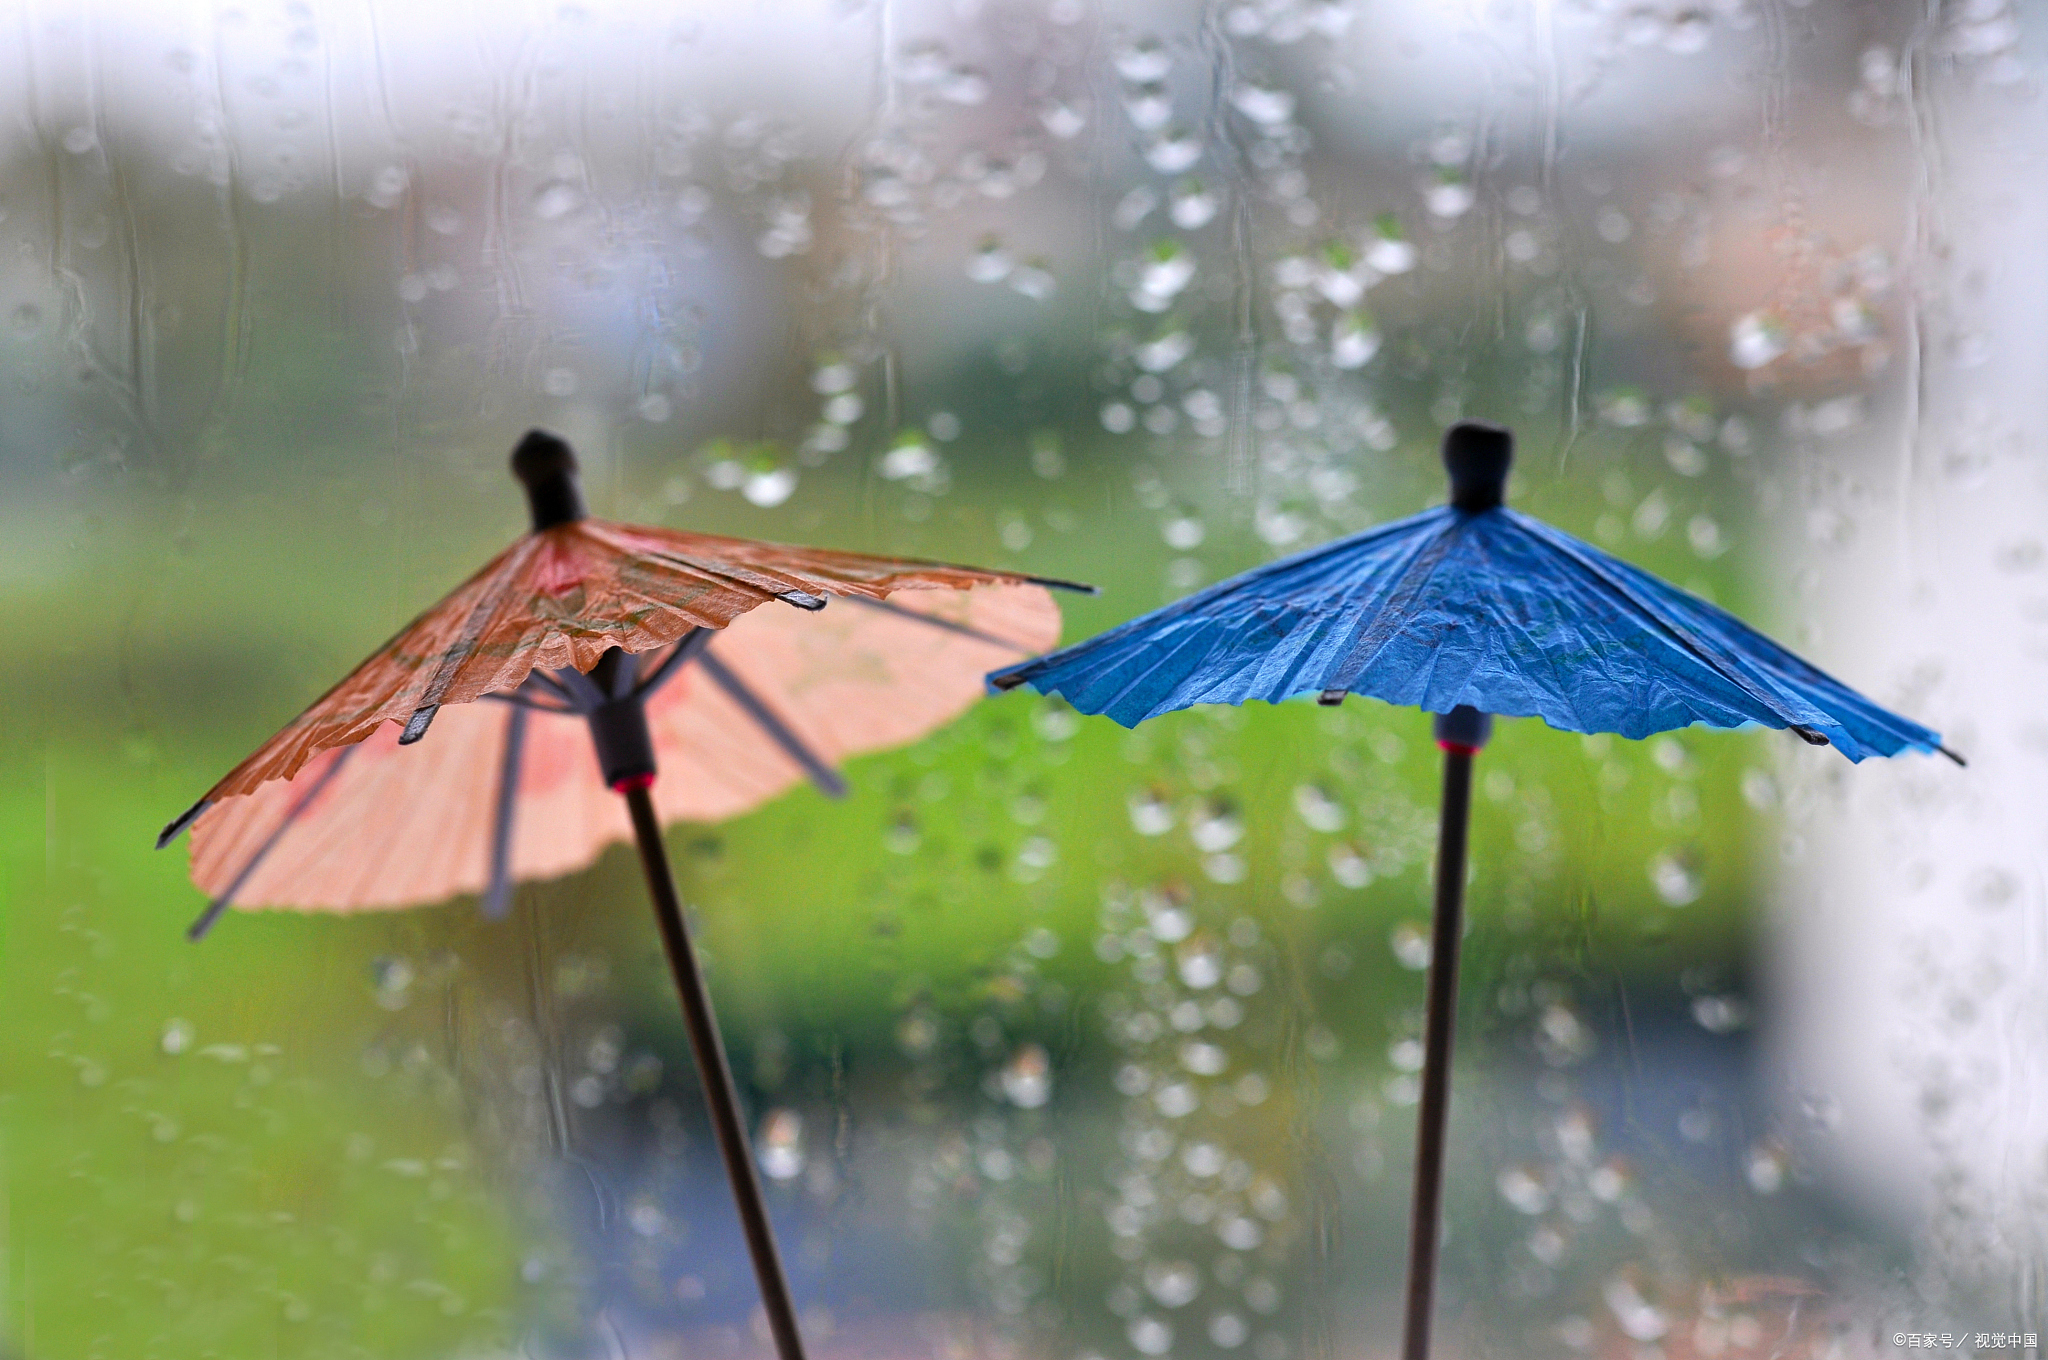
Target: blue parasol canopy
1468, 605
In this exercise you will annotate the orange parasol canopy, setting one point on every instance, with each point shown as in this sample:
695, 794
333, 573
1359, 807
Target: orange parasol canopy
377, 824
338, 812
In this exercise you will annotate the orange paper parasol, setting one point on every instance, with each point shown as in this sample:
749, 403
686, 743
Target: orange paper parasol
607, 651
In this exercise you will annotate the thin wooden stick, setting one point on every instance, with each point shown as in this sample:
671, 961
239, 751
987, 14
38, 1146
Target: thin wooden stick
716, 1075
1442, 1008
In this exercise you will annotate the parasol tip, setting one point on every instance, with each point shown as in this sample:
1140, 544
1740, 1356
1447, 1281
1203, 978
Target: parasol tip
1477, 456
546, 465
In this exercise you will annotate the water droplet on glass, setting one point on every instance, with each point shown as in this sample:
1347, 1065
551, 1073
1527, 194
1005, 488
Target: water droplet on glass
1151, 813
1388, 250
1183, 533
1191, 205
1990, 888
1200, 962
781, 1144
1720, 1014
1523, 1189
1174, 1284
990, 263
1149, 107
1353, 340
1240, 1233
911, 457
1228, 1330
1150, 1336
1608, 1182
770, 487
1270, 108
1756, 339
555, 200
833, 376
1133, 208
1676, 879
1164, 353
1821, 1110
1173, 151
392, 978
1167, 918
1652, 516
1216, 825
1033, 279
1166, 269
1339, 275
1448, 196
1561, 1036
1410, 943
1144, 60
1348, 867
1687, 32
1638, 1318
1225, 868
1027, 1077
1064, 120
1685, 457
964, 85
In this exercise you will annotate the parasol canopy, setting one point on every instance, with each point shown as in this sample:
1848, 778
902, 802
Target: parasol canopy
1469, 604
776, 696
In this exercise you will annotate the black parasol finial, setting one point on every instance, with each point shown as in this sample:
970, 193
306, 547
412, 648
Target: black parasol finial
1477, 455
547, 466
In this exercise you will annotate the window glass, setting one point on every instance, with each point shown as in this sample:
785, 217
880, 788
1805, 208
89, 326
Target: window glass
1056, 1039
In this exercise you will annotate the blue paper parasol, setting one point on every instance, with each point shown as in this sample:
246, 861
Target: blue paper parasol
1467, 611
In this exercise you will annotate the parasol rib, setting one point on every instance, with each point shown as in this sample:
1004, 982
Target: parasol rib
823, 775
519, 700
498, 893
1375, 632
416, 726
583, 692
178, 824
891, 607
198, 929
693, 642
